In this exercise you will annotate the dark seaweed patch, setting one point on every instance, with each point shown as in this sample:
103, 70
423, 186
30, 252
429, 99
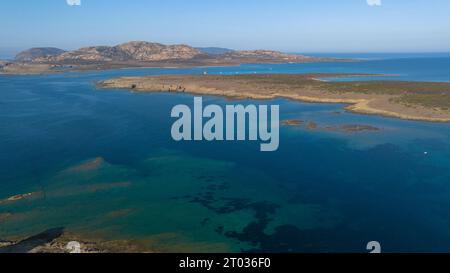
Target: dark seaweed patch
289, 238
205, 221
253, 232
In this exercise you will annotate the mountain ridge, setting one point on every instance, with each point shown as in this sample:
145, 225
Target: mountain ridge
142, 51
130, 51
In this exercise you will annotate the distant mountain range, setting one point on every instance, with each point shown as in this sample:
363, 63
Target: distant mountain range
39, 52
215, 50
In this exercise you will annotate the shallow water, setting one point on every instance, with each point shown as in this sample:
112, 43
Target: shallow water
103, 163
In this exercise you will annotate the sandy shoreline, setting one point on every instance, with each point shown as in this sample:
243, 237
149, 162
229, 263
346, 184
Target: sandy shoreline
388, 98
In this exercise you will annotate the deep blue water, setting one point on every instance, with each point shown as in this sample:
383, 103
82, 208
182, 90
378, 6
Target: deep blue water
105, 165
382, 56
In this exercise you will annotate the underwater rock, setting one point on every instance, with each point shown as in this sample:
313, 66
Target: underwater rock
312, 125
19, 197
88, 165
292, 122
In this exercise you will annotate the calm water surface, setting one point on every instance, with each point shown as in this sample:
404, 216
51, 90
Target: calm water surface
105, 165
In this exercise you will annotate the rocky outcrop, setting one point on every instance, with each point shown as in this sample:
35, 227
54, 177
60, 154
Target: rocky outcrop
32, 242
144, 51
58, 240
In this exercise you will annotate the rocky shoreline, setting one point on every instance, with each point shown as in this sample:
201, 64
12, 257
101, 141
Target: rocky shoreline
57, 240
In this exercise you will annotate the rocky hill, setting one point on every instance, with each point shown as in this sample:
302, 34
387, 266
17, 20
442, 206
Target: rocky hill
145, 52
132, 51
37, 53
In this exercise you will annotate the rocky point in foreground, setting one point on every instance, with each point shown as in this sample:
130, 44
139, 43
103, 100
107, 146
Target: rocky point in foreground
139, 54
57, 240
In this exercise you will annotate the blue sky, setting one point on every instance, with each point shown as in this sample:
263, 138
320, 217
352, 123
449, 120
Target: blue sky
287, 25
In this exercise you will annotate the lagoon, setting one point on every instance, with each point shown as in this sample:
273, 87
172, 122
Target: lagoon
107, 167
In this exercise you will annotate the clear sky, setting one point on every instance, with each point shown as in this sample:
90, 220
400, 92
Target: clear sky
287, 25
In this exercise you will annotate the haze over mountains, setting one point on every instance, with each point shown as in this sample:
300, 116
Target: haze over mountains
215, 50
39, 52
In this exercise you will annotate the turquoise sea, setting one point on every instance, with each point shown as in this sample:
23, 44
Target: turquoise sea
102, 163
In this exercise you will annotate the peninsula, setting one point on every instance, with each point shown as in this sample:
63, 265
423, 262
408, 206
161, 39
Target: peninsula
425, 101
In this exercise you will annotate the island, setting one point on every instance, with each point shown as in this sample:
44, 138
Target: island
138, 54
423, 101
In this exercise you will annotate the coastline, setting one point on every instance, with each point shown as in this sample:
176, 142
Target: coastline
305, 88
13, 68
58, 240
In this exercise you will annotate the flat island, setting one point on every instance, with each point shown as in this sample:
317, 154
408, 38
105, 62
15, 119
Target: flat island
424, 101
